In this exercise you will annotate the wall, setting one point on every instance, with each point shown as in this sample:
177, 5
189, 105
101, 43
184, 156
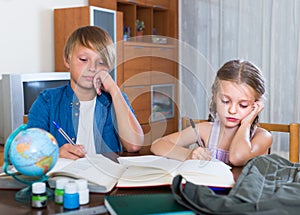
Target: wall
264, 32
26, 31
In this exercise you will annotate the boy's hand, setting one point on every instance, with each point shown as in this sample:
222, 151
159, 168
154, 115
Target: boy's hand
72, 151
102, 81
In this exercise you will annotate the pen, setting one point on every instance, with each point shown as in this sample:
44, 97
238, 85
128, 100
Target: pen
60, 130
197, 135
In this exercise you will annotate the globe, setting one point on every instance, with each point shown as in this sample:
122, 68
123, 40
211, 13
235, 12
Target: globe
32, 152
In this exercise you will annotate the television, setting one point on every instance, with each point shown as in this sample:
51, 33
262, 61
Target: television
18, 92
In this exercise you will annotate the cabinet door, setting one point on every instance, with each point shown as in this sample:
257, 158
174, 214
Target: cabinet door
137, 62
163, 65
140, 99
66, 20
162, 128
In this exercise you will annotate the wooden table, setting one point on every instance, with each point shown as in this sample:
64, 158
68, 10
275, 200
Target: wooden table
8, 204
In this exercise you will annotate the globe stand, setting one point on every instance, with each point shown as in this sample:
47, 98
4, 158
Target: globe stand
24, 195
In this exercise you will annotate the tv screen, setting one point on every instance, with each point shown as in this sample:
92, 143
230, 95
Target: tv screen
32, 89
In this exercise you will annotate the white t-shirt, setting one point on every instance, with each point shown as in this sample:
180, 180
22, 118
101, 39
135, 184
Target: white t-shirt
85, 135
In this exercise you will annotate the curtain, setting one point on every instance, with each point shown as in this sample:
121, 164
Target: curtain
266, 33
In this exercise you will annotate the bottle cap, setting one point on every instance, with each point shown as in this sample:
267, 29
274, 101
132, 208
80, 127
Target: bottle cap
71, 188
38, 187
60, 183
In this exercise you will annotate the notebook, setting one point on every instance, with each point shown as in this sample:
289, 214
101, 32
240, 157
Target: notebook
162, 203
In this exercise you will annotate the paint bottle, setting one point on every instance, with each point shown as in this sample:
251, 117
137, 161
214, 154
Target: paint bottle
71, 196
39, 198
59, 190
83, 191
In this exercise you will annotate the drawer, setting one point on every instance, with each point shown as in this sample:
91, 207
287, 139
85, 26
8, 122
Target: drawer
135, 52
164, 52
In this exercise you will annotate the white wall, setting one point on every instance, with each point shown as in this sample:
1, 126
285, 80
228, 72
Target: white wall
26, 34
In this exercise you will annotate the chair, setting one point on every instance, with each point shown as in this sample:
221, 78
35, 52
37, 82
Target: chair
25, 119
292, 128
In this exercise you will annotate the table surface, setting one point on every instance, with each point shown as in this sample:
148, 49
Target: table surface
8, 204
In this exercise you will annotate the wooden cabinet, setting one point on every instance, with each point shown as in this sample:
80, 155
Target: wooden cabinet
147, 69
144, 67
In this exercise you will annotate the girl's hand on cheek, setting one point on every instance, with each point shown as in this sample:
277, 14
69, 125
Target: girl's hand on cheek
258, 106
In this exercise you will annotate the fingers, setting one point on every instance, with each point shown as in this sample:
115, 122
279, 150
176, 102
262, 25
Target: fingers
201, 154
259, 105
71, 152
99, 79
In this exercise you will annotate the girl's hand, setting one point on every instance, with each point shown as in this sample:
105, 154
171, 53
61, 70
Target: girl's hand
201, 154
258, 106
103, 81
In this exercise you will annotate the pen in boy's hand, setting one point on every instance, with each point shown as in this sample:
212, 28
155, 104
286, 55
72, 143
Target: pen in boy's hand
199, 142
63, 133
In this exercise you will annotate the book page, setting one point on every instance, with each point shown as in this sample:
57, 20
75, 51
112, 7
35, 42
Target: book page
139, 176
209, 173
97, 169
156, 168
147, 170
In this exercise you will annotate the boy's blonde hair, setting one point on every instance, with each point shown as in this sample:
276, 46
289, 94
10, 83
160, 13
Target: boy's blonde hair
94, 38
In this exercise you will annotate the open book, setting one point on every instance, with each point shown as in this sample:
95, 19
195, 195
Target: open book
104, 174
152, 170
101, 173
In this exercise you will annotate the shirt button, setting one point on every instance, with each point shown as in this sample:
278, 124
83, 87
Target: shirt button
76, 114
77, 103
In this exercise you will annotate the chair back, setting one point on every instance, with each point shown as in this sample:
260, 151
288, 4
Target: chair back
291, 128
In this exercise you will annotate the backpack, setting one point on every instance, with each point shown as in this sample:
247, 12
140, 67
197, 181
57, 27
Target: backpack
267, 185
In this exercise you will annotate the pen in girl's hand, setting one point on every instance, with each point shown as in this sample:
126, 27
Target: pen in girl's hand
199, 142
63, 133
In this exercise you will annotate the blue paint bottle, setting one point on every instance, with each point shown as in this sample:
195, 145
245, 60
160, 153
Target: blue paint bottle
71, 196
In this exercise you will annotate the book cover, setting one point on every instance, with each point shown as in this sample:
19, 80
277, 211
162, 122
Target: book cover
162, 203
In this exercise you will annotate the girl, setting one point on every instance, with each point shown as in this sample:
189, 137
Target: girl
231, 133
91, 108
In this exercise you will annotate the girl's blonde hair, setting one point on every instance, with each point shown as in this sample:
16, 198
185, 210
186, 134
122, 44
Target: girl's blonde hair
239, 72
94, 38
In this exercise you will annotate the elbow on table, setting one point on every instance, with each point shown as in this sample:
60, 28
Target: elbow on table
135, 145
134, 148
